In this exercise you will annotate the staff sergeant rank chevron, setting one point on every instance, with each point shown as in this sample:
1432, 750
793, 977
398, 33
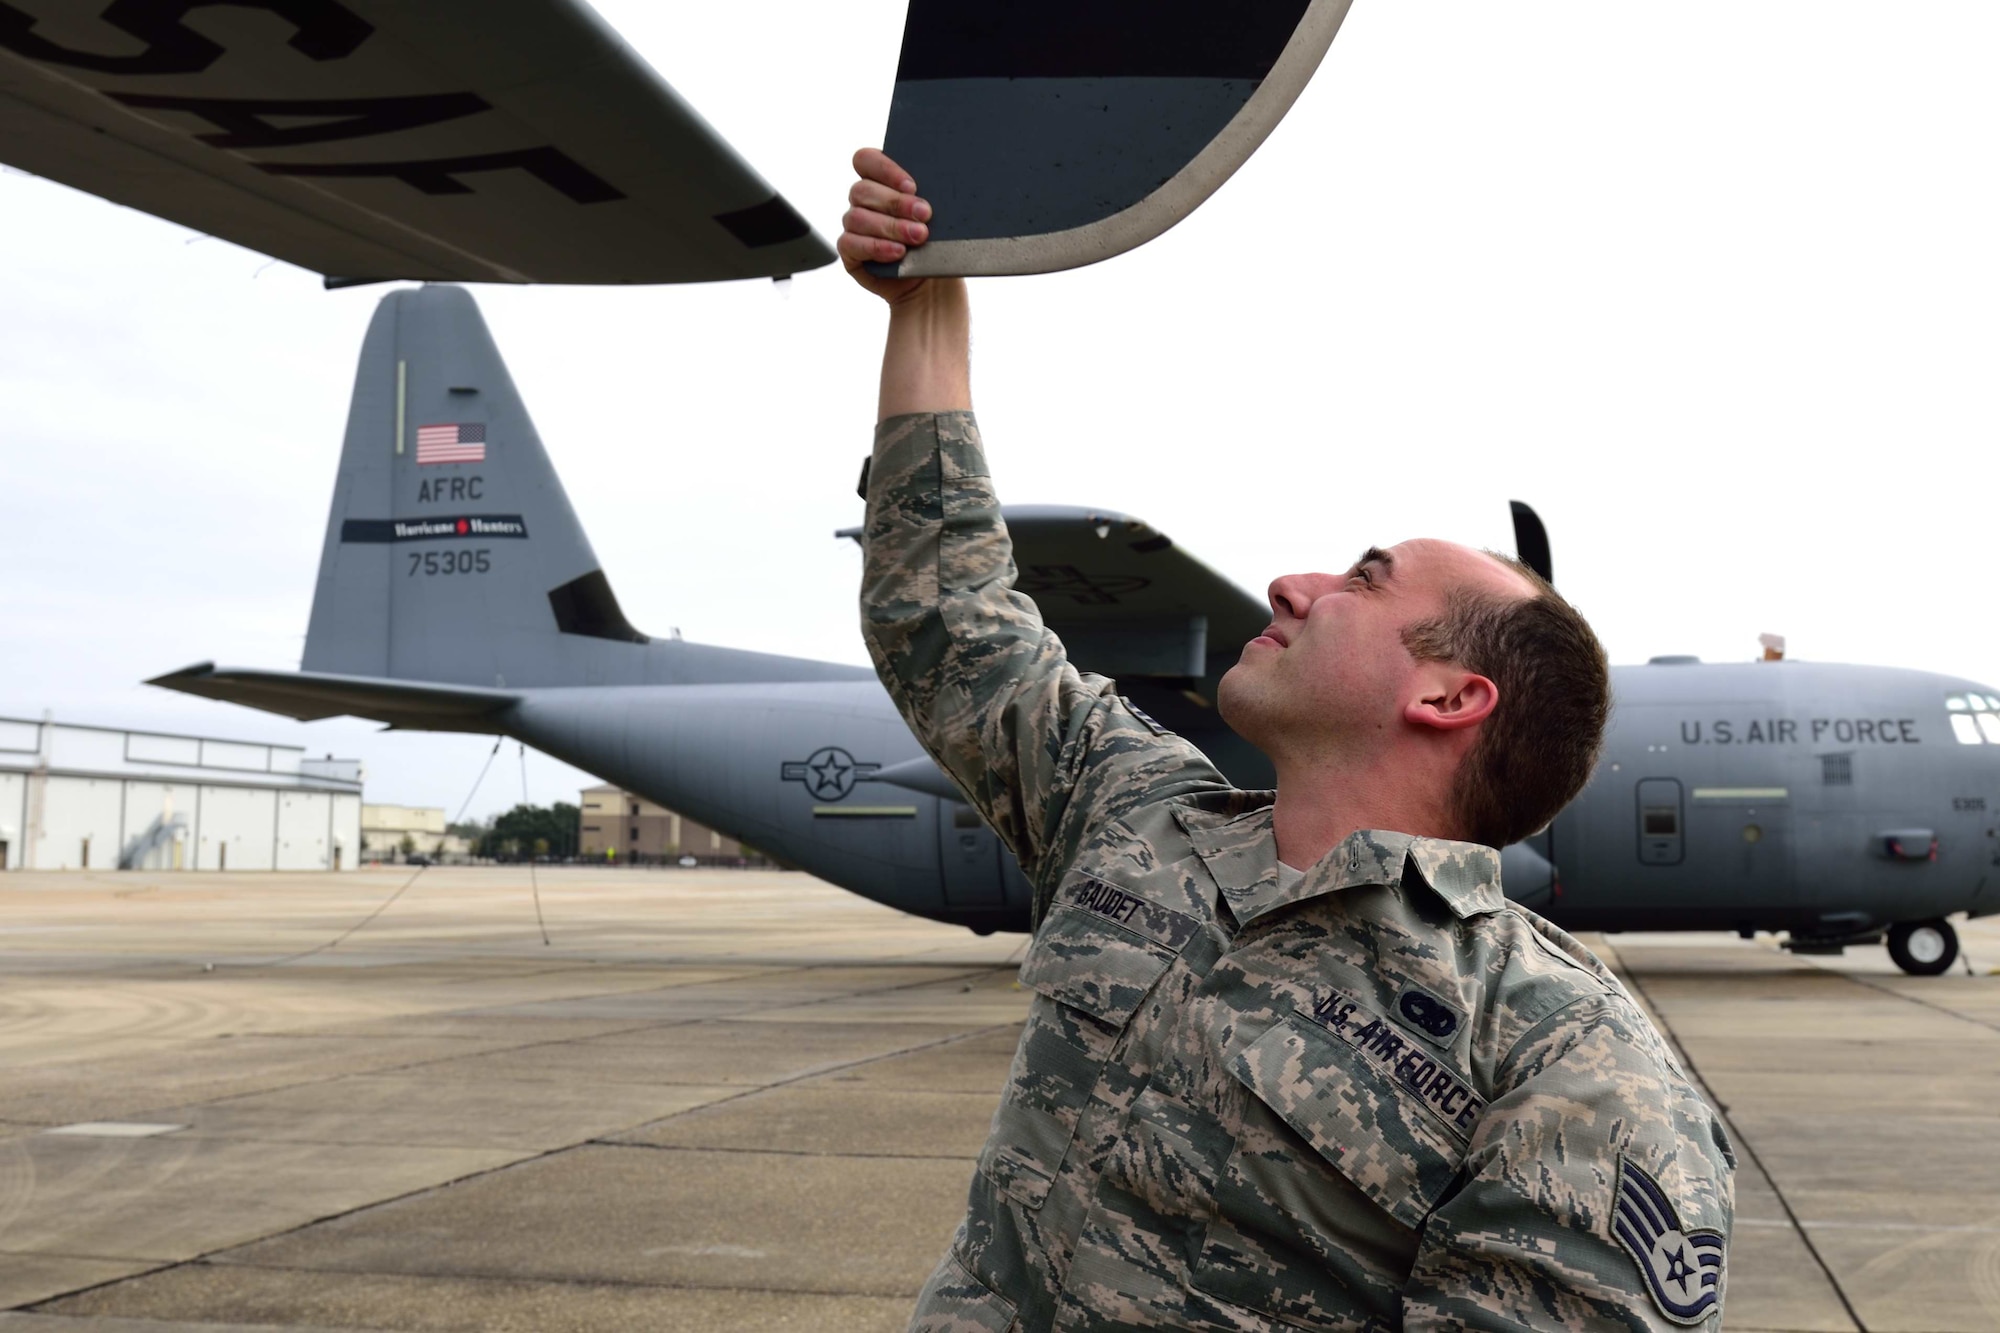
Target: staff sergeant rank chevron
1683, 1269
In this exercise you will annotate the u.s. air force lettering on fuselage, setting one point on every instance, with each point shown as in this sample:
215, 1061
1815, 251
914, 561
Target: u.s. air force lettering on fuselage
1805, 730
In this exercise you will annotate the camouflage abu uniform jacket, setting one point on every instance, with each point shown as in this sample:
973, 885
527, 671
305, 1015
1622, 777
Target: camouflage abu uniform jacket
1379, 1096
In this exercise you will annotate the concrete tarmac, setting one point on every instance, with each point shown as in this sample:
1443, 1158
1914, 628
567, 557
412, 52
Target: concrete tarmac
721, 1100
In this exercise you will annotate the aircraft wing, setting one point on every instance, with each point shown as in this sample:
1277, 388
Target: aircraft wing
1049, 134
462, 140
311, 695
1126, 600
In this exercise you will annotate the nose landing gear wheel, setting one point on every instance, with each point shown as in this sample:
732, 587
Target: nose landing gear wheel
1923, 948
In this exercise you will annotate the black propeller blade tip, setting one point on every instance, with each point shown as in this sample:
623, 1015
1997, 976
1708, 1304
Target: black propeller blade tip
1531, 541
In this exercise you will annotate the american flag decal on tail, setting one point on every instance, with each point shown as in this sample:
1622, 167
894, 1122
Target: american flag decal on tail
461, 442
1683, 1269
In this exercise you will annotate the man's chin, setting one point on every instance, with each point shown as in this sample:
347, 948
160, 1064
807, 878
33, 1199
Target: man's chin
1236, 699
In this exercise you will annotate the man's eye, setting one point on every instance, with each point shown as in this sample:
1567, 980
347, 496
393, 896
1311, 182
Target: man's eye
1364, 576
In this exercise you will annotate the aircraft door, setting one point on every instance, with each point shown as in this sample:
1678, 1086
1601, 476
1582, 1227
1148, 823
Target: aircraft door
1739, 854
1662, 822
969, 856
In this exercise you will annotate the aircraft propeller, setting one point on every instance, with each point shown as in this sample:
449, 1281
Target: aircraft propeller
1531, 541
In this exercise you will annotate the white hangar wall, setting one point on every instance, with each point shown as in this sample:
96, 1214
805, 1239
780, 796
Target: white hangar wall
78, 797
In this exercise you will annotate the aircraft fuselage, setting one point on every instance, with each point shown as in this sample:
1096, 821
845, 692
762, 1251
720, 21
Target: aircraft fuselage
1819, 799
1823, 800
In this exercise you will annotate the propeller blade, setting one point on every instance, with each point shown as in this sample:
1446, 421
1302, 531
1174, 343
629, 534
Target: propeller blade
1531, 541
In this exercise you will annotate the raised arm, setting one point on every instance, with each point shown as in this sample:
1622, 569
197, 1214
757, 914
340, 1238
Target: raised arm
1040, 749
927, 361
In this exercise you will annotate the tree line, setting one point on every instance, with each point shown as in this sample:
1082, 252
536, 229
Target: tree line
526, 831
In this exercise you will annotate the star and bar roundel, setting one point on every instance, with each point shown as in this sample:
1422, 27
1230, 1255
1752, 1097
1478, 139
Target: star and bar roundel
829, 773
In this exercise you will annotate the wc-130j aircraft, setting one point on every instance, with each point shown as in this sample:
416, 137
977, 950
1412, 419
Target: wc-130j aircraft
457, 592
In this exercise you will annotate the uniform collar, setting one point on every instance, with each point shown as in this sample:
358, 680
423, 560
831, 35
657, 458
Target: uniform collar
1241, 853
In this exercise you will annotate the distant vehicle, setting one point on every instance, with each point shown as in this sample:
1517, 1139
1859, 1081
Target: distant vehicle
418, 859
457, 592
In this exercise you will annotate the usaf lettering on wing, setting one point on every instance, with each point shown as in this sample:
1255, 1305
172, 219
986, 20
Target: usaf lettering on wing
324, 30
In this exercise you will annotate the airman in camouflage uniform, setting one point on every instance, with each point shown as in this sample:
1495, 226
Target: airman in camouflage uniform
1372, 1095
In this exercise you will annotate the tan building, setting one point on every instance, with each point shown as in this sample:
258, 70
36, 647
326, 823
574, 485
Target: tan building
384, 827
621, 826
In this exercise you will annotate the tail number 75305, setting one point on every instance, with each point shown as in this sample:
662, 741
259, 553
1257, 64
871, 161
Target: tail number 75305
450, 562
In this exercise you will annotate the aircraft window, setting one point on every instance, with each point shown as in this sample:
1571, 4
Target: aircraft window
1662, 822
1956, 703
1993, 700
1978, 702
1990, 724
1965, 729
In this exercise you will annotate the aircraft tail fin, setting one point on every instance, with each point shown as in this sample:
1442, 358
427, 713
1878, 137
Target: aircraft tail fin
452, 552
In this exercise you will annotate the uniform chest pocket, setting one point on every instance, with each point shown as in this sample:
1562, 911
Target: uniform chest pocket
1090, 976
1387, 1113
1378, 1115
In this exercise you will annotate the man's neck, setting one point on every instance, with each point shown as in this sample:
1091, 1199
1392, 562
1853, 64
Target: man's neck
1318, 806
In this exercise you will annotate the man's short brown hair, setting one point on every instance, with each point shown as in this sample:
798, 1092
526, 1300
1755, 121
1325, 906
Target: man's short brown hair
1538, 748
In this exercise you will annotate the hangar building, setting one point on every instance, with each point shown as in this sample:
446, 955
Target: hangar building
93, 798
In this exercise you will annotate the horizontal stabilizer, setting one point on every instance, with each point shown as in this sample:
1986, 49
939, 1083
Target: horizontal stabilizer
920, 775
310, 695
373, 139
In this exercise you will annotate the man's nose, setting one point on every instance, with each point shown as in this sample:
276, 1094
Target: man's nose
1292, 595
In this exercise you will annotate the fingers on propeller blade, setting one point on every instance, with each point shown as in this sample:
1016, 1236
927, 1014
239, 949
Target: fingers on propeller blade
1531, 541
1048, 134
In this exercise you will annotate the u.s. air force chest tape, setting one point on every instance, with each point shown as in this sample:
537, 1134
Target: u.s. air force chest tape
1390, 1112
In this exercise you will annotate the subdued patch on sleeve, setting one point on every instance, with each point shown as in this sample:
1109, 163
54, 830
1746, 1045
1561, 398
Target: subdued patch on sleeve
1682, 1266
1151, 724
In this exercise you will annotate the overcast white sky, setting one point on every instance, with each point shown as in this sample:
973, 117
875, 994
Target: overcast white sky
1713, 286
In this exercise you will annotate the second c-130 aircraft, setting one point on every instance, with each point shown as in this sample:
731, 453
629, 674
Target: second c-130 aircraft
458, 592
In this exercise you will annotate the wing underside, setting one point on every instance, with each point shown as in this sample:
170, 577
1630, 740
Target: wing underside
1125, 599
467, 140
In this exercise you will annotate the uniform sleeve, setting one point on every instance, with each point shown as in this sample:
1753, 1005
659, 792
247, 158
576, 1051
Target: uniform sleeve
1597, 1193
1041, 750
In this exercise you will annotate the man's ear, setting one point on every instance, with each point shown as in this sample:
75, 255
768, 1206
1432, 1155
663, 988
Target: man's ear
1450, 698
